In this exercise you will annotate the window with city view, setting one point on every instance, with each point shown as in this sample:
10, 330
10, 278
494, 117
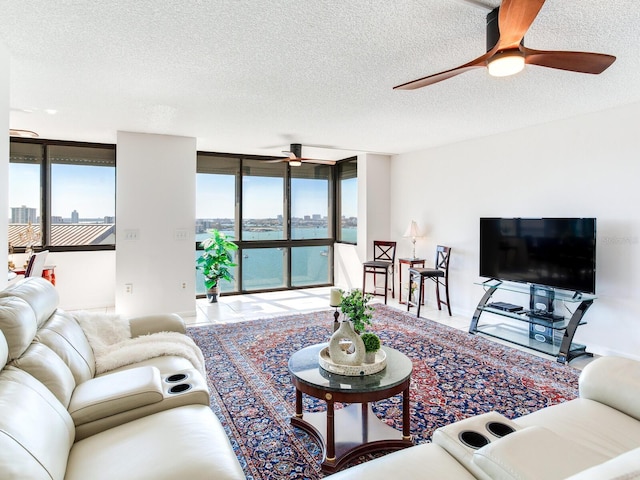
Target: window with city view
61, 195
281, 217
347, 200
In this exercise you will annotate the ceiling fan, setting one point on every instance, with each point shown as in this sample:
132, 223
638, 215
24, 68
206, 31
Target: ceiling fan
506, 53
295, 158
17, 132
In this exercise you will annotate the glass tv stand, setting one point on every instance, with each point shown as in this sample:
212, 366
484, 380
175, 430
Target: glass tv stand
531, 328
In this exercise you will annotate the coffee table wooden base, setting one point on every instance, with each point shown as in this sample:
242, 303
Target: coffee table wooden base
358, 431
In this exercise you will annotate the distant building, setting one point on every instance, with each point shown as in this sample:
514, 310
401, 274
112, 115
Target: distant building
75, 217
23, 214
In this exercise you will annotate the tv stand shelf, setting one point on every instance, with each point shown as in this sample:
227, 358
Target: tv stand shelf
552, 335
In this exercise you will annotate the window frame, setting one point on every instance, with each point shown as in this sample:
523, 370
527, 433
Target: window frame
339, 175
45, 194
287, 243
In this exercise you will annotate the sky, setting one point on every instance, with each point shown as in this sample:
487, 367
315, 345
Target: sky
263, 197
71, 188
90, 191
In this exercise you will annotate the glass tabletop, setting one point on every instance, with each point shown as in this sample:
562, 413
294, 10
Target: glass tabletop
304, 365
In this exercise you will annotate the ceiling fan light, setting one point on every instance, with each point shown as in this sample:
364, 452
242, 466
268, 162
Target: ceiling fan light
506, 63
295, 163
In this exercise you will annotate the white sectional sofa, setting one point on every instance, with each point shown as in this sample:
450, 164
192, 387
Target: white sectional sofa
59, 420
593, 437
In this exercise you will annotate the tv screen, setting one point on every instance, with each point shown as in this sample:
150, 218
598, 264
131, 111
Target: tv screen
555, 252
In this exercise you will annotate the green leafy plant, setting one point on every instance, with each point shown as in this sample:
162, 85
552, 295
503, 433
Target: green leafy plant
371, 342
217, 261
355, 305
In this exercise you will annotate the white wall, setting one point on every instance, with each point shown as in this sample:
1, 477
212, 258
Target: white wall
155, 202
4, 154
586, 166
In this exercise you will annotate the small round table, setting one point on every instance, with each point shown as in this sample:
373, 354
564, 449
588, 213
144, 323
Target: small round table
353, 430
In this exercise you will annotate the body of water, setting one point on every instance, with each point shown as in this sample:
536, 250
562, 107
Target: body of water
264, 268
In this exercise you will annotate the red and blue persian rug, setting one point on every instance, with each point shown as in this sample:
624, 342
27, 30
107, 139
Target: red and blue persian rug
455, 375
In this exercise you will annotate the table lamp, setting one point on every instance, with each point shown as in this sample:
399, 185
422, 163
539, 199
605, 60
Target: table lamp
335, 300
413, 231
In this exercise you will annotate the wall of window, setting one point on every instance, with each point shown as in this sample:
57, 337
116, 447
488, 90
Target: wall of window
282, 219
61, 195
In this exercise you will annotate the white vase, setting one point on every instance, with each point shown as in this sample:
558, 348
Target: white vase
340, 356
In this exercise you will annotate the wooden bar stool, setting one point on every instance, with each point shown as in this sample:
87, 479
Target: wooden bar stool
439, 274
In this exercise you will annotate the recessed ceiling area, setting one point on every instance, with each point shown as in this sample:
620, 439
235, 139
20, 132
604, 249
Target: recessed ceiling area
255, 77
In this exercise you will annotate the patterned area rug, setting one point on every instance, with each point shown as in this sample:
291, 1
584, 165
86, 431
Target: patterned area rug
455, 375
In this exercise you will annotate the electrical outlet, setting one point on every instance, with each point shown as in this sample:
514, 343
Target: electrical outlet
184, 285
131, 234
128, 288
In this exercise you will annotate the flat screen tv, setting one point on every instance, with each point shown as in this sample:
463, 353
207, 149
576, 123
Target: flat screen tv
554, 252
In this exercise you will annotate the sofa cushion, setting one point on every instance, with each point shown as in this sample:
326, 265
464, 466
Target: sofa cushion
48, 368
614, 381
623, 467
62, 334
425, 461
184, 442
534, 453
18, 324
590, 424
36, 432
39, 293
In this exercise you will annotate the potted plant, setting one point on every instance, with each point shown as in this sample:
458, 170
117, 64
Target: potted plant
371, 345
355, 305
216, 262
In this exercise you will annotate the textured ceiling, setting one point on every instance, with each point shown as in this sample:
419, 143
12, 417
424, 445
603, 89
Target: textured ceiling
251, 76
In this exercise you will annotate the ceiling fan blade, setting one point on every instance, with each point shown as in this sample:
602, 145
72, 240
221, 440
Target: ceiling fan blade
277, 160
319, 162
583, 62
514, 19
438, 77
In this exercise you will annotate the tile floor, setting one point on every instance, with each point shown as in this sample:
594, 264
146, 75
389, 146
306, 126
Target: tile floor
238, 308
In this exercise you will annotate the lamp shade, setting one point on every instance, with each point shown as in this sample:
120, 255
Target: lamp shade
412, 230
335, 298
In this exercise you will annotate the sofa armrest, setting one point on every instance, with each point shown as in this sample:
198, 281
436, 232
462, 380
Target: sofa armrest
147, 324
534, 453
115, 393
614, 381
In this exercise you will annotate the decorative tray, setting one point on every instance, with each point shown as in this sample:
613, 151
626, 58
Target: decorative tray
353, 370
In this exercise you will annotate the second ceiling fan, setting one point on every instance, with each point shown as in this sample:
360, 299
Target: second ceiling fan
506, 53
295, 158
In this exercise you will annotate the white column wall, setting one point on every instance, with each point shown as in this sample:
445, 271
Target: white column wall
155, 216
587, 166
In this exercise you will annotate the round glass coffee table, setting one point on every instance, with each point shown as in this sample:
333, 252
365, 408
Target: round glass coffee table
354, 430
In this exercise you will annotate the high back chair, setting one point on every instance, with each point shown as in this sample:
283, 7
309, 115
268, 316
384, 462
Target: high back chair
36, 264
384, 257
439, 274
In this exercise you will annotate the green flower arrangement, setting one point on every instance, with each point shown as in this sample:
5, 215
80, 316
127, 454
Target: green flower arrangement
355, 305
